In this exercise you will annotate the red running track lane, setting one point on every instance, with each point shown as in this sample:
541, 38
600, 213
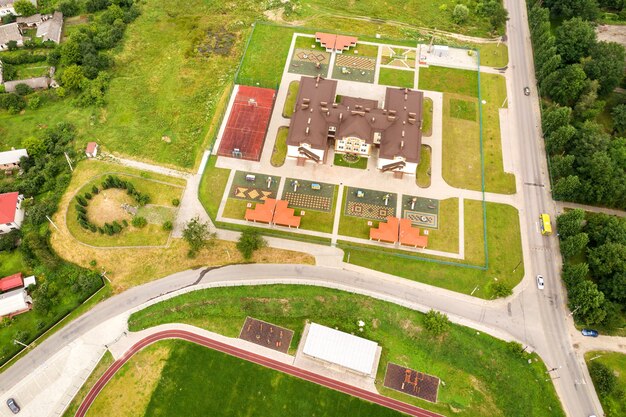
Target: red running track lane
251, 357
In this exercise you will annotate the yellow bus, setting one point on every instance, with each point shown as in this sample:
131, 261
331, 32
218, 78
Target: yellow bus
546, 227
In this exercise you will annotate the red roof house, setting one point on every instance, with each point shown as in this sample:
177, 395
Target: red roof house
386, 232
11, 282
284, 216
92, 150
8, 207
410, 236
263, 212
333, 42
273, 211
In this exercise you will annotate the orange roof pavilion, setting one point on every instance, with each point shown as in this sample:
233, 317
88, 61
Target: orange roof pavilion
386, 232
273, 211
333, 42
410, 236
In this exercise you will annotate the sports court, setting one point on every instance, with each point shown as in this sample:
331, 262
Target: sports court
249, 117
412, 382
266, 334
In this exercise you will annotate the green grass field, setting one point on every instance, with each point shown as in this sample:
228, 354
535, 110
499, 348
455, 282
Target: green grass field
482, 376
613, 404
279, 153
212, 187
427, 114
463, 109
12, 263
360, 163
290, 101
422, 176
449, 80
396, 78
504, 246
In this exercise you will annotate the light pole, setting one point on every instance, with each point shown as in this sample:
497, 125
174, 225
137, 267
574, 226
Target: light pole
575, 310
17, 342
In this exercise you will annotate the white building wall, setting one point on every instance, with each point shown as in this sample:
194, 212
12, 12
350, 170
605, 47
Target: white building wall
409, 168
293, 152
19, 218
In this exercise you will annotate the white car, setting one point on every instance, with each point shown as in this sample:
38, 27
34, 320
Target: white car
540, 282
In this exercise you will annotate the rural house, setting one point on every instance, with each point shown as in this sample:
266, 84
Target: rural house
13, 296
91, 150
10, 160
8, 33
11, 211
6, 7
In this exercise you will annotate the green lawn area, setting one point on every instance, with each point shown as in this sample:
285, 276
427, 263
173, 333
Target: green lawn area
12, 263
212, 187
36, 69
236, 208
422, 177
612, 404
290, 101
360, 163
505, 253
463, 109
266, 55
279, 153
483, 377
396, 77
492, 54
161, 195
362, 49
446, 238
427, 114
461, 142
320, 221
305, 42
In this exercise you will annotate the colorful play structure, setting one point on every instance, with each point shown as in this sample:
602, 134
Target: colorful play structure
273, 211
398, 230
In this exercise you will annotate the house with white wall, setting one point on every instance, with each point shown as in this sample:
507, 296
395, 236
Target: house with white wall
11, 212
10, 160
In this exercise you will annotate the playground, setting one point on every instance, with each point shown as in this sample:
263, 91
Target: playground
423, 212
398, 57
309, 61
266, 334
254, 187
412, 382
370, 204
247, 124
309, 194
354, 68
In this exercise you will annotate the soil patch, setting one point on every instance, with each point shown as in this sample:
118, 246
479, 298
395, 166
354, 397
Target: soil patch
106, 207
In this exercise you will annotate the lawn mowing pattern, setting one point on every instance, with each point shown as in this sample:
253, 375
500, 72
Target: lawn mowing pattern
396, 78
266, 334
463, 109
412, 382
483, 376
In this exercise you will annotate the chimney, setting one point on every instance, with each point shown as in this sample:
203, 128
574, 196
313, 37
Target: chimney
402, 142
306, 132
403, 135
308, 121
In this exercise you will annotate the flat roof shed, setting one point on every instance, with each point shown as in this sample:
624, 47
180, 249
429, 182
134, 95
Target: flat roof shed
336, 347
13, 302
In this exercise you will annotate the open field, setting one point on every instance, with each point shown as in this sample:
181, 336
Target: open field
212, 187
279, 152
396, 78
461, 140
504, 246
422, 177
612, 404
482, 376
290, 101
122, 265
446, 237
427, 124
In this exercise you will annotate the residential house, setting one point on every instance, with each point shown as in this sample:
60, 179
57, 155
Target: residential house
13, 296
11, 211
50, 27
8, 33
36, 83
356, 126
92, 150
335, 43
10, 160
6, 6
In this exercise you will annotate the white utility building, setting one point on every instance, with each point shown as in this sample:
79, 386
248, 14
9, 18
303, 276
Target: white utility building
343, 349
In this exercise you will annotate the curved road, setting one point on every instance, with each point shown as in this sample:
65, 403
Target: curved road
251, 357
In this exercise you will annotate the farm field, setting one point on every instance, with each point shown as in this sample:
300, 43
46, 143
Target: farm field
482, 375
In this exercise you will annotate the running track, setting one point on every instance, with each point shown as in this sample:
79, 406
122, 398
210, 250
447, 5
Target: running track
251, 357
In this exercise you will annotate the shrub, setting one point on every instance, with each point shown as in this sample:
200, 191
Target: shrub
81, 201
100, 230
80, 209
93, 263
116, 227
92, 227
460, 13
87, 196
175, 202
124, 223
34, 103
168, 225
250, 241
139, 221
435, 322
603, 378
94, 190
501, 290
23, 89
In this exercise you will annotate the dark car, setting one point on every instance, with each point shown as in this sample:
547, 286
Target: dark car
526, 91
13, 406
590, 333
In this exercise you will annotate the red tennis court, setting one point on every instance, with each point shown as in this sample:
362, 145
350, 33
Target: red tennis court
247, 123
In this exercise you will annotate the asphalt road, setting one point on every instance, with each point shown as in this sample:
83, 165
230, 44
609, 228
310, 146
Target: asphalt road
255, 358
555, 346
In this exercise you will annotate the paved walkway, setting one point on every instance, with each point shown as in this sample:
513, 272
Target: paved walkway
562, 205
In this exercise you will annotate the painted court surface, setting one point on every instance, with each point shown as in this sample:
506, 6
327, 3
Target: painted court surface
412, 382
247, 123
266, 334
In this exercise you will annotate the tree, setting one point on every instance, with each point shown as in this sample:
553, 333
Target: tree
603, 228
69, 7
12, 45
34, 145
574, 40
574, 274
460, 13
567, 84
554, 118
72, 77
606, 65
9, 241
614, 287
607, 259
587, 302
570, 223
574, 245
588, 106
23, 89
139, 221
8, 18
437, 323
24, 8
586, 9
167, 225
603, 378
196, 234
558, 141
566, 188
249, 241
562, 165
619, 118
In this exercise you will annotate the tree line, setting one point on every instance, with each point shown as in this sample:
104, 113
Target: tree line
576, 74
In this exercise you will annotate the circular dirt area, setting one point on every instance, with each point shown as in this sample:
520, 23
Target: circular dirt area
106, 207
350, 158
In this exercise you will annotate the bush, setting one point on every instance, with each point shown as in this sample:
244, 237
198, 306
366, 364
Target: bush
9, 241
81, 200
94, 190
139, 221
250, 241
175, 202
87, 196
501, 290
603, 378
124, 223
168, 225
23, 89
435, 322
93, 263
80, 209
460, 13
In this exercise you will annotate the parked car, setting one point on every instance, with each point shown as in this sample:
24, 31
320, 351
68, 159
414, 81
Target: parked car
13, 406
540, 282
526, 91
590, 333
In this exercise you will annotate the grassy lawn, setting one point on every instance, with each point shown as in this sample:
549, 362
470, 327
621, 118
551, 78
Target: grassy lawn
305, 42
397, 78
492, 54
422, 177
36, 69
290, 101
320, 221
279, 153
427, 124
236, 208
505, 253
613, 404
463, 109
265, 57
482, 376
12, 263
121, 264
362, 49
446, 238
212, 186
106, 361
360, 163
461, 142
161, 195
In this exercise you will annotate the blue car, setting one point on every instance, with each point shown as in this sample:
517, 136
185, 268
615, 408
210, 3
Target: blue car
590, 333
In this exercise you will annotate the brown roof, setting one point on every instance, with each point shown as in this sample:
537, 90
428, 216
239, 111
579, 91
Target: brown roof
335, 42
399, 122
29, 20
9, 32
